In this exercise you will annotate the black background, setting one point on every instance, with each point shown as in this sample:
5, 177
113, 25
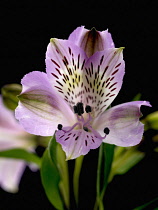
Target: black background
25, 30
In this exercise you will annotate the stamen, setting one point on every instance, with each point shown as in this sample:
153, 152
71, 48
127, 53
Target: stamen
106, 131
80, 108
85, 128
96, 134
84, 124
60, 126
72, 127
89, 119
81, 119
88, 108
75, 109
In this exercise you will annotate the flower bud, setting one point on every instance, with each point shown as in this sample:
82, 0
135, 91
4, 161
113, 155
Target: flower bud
9, 95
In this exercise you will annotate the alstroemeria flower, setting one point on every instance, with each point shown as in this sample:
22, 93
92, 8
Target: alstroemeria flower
84, 75
12, 135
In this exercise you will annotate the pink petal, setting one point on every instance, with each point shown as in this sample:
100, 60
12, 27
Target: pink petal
10, 174
77, 142
108, 41
7, 119
123, 123
41, 109
77, 35
92, 40
12, 135
102, 78
64, 65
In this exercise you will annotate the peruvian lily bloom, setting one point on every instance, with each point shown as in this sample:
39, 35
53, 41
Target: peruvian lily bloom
12, 135
83, 76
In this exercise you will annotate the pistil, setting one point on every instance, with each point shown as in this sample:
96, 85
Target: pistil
85, 125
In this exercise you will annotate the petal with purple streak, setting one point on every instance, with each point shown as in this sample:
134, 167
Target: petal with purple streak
64, 65
77, 142
40, 109
102, 79
123, 123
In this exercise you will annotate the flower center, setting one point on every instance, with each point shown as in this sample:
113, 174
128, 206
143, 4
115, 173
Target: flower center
83, 123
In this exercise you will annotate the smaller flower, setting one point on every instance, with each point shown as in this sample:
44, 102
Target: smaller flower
12, 136
84, 75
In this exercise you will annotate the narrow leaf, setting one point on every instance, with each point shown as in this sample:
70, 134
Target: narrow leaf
52, 148
152, 120
146, 205
50, 180
129, 162
58, 158
124, 160
21, 154
108, 159
137, 97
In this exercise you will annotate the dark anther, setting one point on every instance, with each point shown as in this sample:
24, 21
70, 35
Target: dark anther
75, 109
60, 126
106, 131
85, 128
88, 109
80, 108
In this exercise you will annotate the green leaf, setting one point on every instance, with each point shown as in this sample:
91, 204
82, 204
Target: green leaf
9, 95
59, 160
108, 159
108, 153
129, 162
21, 154
52, 148
137, 97
50, 180
151, 120
146, 205
124, 160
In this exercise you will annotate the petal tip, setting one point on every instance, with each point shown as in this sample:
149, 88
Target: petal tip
120, 49
53, 40
147, 103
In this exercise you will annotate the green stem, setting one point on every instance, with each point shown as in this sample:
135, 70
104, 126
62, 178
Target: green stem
76, 176
64, 173
97, 202
106, 153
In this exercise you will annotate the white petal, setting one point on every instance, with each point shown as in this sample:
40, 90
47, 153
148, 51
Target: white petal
77, 142
10, 174
40, 109
64, 65
103, 79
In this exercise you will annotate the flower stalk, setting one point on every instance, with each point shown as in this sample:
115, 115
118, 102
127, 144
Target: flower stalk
64, 174
76, 176
98, 202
